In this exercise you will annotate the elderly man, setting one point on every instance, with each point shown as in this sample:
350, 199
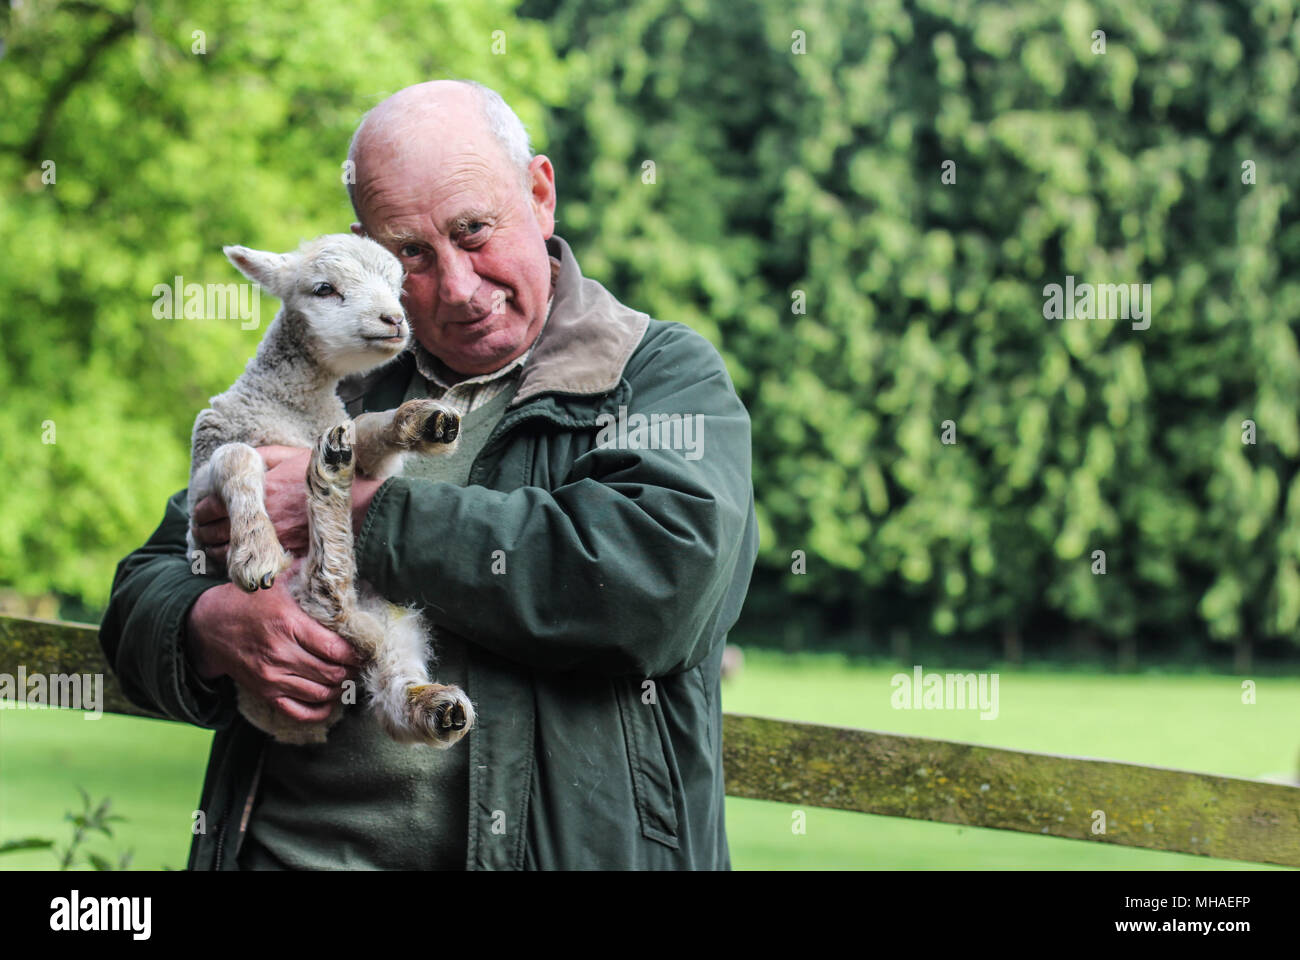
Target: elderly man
582, 570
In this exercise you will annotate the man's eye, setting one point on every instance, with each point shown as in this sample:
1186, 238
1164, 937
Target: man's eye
408, 250
323, 290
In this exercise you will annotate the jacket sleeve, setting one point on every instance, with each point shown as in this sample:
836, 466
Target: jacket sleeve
631, 565
143, 631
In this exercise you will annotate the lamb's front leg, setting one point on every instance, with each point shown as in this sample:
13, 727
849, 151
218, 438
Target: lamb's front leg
255, 558
417, 426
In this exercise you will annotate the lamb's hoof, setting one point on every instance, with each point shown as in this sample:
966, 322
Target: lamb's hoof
442, 427
336, 447
256, 569
426, 426
440, 714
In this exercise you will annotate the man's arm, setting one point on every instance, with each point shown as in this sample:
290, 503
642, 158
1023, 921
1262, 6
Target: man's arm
622, 568
143, 633
177, 639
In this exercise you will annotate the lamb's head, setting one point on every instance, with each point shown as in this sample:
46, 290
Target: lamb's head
342, 299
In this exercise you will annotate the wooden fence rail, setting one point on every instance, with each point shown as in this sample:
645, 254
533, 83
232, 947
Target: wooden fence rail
847, 769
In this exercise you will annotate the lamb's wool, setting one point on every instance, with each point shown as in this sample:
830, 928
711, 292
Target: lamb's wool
341, 314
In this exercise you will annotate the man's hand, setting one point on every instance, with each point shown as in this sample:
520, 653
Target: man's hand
286, 504
265, 643
363, 491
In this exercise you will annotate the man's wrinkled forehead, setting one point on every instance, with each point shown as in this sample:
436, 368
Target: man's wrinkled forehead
408, 205
463, 181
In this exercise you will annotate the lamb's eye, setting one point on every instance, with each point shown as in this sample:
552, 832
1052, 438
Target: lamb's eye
323, 290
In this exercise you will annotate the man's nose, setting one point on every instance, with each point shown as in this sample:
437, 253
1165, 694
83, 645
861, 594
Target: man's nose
458, 280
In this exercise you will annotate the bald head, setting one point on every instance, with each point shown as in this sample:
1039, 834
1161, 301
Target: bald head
463, 112
444, 179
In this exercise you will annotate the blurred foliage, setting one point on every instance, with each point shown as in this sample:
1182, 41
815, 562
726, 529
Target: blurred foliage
778, 172
777, 175
162, 155
92, 818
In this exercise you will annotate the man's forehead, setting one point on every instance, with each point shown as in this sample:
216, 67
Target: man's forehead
408, 211
421, 191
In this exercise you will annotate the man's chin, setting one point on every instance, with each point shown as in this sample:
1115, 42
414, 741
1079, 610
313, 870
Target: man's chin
480, 360
473, 356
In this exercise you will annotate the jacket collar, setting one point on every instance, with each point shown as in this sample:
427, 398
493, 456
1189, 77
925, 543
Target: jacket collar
587, 340
582, 350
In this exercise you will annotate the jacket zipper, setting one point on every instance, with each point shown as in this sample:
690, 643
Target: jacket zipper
248, 809
221, 841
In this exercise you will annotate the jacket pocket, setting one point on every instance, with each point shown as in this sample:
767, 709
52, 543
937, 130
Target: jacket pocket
652, 782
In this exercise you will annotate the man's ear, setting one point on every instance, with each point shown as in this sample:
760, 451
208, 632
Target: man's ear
268, 270
359, 230
541, 193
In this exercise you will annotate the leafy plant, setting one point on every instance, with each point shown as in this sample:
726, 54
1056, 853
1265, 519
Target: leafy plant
93, 818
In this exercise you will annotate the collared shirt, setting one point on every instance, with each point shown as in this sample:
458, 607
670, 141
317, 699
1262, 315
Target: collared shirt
473, 392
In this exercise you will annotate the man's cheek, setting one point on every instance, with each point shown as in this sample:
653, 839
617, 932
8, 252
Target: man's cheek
417, 295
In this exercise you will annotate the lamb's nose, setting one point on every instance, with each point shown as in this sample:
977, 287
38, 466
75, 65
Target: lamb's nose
391, 320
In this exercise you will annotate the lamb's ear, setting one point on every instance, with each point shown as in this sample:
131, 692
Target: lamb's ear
269, 270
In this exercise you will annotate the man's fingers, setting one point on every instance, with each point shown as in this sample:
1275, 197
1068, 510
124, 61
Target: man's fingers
307, 690
324, 643
215, 533
303, 712
322, 672
274, 454
209, 509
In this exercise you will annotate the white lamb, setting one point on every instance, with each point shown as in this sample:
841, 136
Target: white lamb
341, 315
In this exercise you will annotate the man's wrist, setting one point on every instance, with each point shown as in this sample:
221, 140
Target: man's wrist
196, 646
363, 493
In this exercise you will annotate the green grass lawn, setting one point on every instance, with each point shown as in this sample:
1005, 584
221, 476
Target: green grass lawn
153, 770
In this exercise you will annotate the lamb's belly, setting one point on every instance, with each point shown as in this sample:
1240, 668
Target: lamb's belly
284, 436
288, 435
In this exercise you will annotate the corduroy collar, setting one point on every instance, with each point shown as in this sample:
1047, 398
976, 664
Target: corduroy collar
587, 340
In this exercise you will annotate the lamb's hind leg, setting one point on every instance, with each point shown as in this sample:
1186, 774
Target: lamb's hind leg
255, 557
417, 426
410, 707
326, 585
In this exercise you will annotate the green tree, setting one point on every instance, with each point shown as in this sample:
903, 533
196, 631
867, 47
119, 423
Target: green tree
800, 156
138, 139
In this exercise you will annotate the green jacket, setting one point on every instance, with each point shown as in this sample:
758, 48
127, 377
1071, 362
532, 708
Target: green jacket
594, 660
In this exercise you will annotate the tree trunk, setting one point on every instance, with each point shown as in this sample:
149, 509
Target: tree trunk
1241, 658
1012, 649
900, 645
1128, 654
